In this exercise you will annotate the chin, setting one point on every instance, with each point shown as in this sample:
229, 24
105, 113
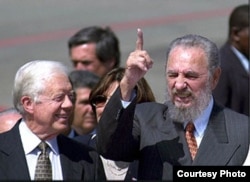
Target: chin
183, 105
62, 126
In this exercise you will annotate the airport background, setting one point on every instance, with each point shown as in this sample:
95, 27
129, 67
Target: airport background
39, 29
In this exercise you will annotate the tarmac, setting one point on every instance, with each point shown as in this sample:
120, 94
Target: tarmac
32, 30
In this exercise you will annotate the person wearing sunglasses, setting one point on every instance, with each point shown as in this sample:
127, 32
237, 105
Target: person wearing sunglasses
106, 87
99, 97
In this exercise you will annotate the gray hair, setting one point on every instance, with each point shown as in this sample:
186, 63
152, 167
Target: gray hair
30, 79
210, 49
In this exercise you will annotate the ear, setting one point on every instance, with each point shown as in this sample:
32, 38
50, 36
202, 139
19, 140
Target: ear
216, 77
235, 34
111, 64
27, 103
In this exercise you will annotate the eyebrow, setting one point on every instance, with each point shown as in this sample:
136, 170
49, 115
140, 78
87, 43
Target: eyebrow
189, 72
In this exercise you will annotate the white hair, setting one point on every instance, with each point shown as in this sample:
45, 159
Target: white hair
30, 78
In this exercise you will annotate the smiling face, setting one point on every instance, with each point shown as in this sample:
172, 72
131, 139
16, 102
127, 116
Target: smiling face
49, 114
188, 83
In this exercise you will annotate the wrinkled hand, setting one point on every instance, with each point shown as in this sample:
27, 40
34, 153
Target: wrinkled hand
137, 65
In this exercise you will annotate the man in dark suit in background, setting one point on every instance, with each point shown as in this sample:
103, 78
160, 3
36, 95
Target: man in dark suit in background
83, 120
43, 95
154, 133
95, 49
233, 88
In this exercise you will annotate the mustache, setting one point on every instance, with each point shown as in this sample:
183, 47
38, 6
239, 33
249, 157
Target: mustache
182, 93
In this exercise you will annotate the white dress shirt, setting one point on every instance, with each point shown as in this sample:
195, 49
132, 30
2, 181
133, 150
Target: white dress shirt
243, 60
201, 122
247, 161
30, 142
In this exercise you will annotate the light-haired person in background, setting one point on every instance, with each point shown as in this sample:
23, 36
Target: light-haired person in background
8, 118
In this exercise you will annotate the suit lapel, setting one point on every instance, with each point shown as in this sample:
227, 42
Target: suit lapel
186, 159
16, 166
170, 148
71, 170
172, 129
170, 151
215, 148
235, 62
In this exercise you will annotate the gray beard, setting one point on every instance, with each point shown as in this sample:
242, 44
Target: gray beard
181, 114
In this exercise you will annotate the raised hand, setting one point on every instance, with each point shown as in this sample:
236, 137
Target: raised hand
139, 42
137, 65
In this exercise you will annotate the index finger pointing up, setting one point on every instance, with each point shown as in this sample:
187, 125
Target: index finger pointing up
139, 42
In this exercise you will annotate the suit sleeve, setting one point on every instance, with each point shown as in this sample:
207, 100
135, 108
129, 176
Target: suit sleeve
115, 139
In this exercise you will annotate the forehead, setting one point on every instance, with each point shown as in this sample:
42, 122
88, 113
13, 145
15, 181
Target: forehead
87, 47
187, 58
82, 91
56, 83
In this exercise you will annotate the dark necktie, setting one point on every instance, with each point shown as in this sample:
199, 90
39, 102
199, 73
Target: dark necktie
43, 166
191, 139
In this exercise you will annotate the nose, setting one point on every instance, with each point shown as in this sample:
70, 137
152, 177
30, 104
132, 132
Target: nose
80, 66
67, 103
180, 83
89, 107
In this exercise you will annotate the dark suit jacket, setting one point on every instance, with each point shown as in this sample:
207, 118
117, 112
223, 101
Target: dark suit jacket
233, 88
88, 140
147, 134
78, 162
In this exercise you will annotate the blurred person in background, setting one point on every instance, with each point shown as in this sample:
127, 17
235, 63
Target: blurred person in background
83, 120
115, 170
8, 118
233, 88
95, 49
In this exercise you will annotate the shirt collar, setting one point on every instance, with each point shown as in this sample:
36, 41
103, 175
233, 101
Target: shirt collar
30, 141
201, 122
244, 61
72, 133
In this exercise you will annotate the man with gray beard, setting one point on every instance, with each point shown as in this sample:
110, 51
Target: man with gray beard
154, 133
182, 114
